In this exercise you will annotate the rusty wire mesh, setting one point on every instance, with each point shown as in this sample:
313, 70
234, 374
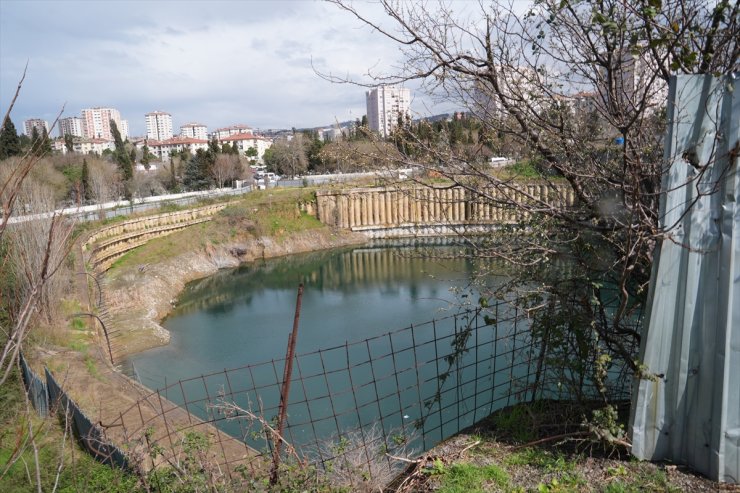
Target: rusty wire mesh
354, 405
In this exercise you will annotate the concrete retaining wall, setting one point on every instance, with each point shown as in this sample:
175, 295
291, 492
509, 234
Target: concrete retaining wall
399, 209
111, 242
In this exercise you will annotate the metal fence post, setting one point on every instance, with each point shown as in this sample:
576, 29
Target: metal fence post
285, 391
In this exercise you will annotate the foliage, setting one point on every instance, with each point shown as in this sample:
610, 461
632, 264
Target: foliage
123, 159
197, 174
468, 478
78, 471
560, 84
288, 157
10, 144
85, 181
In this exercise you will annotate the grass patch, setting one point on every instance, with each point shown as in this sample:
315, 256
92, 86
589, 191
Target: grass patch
541, 459
274, 212
469, 478
79, 472
92, 368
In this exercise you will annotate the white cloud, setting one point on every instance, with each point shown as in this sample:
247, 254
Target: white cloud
215, 62
219, 63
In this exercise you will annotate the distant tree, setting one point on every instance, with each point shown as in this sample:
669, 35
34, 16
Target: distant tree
146, 156
85, 180
252, 155
226, 148
314, 152
35, 137
173, 176
69, 143
364, 122
198, 170
123, 161
213, 146
288, 157
225, 169
10, 144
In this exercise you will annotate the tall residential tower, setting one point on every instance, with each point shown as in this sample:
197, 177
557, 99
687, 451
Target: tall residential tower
96, 123
158, 125
385, 104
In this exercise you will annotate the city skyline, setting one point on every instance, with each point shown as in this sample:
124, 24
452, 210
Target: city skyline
219, 64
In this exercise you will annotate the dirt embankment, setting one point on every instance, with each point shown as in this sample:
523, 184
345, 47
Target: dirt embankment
138, 297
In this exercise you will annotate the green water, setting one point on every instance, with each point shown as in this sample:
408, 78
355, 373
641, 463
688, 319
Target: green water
241, 318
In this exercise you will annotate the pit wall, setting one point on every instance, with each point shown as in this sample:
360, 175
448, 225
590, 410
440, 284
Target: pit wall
107, 244
424, 211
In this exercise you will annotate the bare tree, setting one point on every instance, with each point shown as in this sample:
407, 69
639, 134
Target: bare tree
104, 181
225, 169
288, 157
36, 247
581, 88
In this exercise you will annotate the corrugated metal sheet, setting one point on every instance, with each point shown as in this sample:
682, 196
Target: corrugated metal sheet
690, 411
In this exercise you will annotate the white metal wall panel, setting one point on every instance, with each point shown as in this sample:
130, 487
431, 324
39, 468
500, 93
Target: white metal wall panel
689, 412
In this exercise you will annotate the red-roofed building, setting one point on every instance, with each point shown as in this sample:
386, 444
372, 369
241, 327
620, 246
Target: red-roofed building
84, 146
221, 133
165, 148
244, 141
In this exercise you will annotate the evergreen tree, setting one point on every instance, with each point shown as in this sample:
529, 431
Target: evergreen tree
314, 152
69, 143
123, 160
45, 144
35, 142
197, 171
252, 154
173, 178
10, 144
85, 180
145, 156
213, 146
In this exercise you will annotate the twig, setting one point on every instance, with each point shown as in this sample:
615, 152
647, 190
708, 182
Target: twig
478, 442
550, 439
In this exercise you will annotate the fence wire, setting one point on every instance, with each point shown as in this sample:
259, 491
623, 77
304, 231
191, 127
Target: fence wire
354, 406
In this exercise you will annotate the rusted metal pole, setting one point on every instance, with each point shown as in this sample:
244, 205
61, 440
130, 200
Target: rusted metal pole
285, 391
105, 331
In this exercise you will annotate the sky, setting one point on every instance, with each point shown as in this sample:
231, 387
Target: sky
218, 63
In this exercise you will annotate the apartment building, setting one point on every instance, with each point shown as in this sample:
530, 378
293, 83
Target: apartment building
221, 133
37, 123
81, 145
71, 125
96, 123
165, 148
158, 125
246, 140
384, 106
194, 131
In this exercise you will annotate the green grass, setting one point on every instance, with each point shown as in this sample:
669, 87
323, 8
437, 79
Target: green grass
273, 213
542, 459
469, 478
79, 471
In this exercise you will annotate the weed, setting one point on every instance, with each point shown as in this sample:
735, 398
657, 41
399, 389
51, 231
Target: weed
77, 324
542, 459
517, 422
469, 478
91, 366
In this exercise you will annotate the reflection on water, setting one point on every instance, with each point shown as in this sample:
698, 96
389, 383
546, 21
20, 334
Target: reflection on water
243, 316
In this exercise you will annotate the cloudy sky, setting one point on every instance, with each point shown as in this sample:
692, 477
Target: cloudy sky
218, 63
213, 62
